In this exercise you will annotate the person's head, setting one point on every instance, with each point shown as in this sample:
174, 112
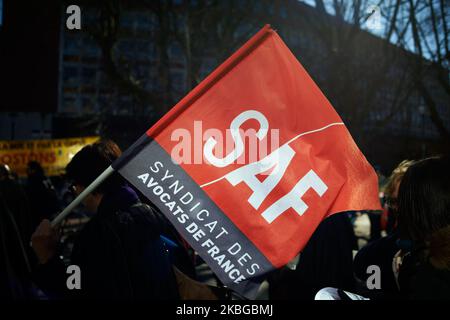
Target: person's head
34, 169
87, 165
424, 208
392, 186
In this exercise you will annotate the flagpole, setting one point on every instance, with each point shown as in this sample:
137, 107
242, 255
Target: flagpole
83, 195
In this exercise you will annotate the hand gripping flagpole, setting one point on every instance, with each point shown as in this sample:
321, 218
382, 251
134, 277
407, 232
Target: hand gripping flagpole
83, 195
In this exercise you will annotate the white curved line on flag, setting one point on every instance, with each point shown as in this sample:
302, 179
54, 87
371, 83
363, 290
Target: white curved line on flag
293, 139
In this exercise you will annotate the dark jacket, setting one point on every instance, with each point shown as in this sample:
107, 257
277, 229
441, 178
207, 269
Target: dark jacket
326, 261
380, 253
14, 263
419, 280
120, 255
42, 198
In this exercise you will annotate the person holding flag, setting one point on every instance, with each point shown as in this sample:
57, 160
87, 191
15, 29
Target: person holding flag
119, 252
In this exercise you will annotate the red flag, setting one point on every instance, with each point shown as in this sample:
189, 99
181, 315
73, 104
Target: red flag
249, 163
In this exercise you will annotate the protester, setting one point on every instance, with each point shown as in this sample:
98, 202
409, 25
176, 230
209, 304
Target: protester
122, 250
41, 194
180, 253
391, 194
382, 251
375, 224
119, 251
15, 229
424, 221
326, 261
16, 200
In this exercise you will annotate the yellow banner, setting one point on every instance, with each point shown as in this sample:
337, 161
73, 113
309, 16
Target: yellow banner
53, 155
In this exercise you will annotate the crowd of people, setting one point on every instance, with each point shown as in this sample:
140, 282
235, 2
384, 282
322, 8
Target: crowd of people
129, 250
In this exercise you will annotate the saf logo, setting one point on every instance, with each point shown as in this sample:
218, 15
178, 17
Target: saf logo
278, 160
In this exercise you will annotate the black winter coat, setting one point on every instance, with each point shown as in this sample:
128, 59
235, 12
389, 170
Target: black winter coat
120, 255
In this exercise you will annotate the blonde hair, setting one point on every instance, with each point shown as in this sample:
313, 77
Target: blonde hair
397, 176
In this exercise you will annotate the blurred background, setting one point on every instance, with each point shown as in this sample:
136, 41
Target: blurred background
383, 64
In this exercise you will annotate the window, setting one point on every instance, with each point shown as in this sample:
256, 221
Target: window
126, 47
141, 46
90, 48
89, 17
142, 71
72, 45
88, 75
178, 81
1, 12
144, 21
70, 74
153, 52
127, 20
87, 104
69, 105
283, 12
175, 51
208, 64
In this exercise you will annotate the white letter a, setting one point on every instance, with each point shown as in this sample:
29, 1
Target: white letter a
74, 20
74, 280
